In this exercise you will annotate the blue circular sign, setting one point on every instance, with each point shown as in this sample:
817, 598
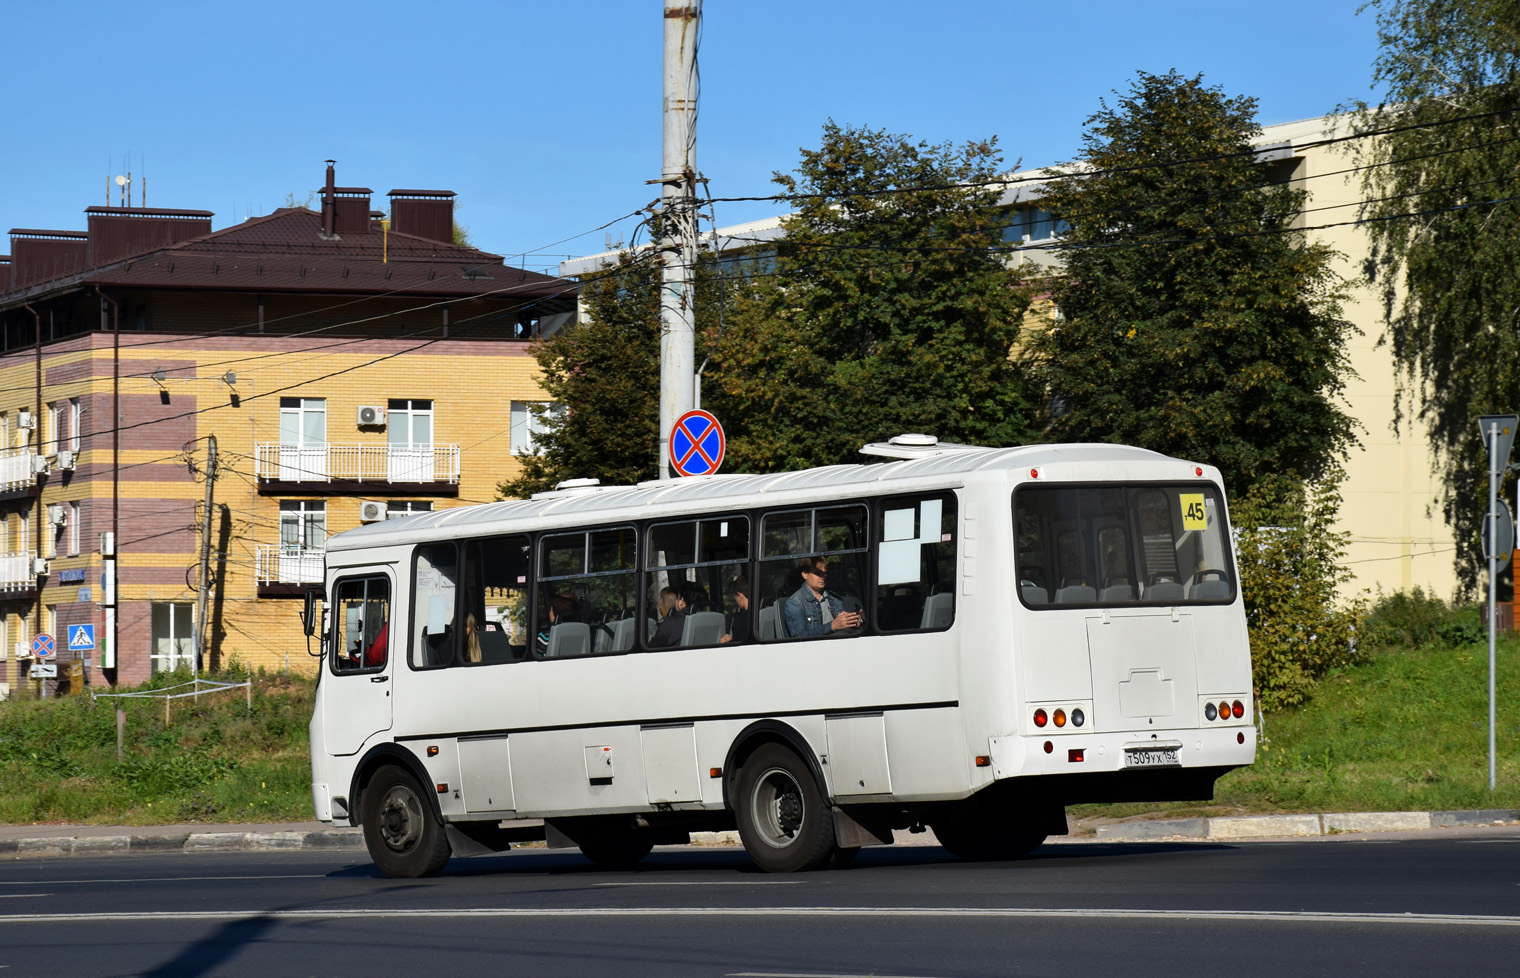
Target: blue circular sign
42, 646
697, 444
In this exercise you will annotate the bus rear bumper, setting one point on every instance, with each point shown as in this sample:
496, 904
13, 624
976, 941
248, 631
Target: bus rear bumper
1128, 754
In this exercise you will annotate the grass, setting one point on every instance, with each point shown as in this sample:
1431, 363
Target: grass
1406, 730
216, 760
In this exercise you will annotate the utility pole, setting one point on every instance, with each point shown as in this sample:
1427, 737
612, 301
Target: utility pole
678, 214
205, 576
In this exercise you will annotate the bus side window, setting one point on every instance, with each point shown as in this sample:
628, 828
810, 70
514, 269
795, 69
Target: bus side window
587, 585
362, 613
798, 540
435, 575
915, 564
496, 600
702, 561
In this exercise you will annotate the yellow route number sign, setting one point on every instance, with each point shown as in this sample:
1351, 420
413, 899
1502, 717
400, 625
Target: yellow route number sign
1193, 515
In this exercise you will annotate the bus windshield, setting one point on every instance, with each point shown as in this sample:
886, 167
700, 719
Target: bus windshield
1121, 545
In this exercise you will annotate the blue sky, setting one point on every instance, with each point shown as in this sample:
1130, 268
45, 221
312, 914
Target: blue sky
545, 117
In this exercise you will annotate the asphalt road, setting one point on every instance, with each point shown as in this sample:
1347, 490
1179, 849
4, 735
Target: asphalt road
1440, 904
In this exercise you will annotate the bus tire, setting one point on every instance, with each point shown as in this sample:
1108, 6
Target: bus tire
783, 820
405, 839
617, 852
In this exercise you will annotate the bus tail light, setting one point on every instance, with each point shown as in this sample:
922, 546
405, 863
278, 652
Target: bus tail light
1238, 709
1240, 738
1078, 717
1209, 712
1060, 718
982, 760
1040, 718
1049, 747
1076, 754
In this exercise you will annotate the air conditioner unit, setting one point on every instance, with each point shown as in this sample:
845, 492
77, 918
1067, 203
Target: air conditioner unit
371, 512
40, 566
26, 420
57, 514
66, 461
24, 649
5, 692
371, 415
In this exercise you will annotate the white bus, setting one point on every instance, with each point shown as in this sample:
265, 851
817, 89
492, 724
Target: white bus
968, 639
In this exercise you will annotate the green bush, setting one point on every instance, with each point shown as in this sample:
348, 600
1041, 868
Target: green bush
1290, 568
1413, 619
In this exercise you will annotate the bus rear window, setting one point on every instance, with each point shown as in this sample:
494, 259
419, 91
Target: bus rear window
1121, 545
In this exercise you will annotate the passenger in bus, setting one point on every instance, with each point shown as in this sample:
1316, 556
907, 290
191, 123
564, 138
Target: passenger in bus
672, 619
815, 611
375, 654
562, 607
739, 627
471, 638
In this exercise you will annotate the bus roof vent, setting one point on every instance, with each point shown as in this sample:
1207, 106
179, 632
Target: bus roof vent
577, 484
913, 445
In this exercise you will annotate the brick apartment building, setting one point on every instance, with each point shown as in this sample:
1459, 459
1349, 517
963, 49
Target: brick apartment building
349, 370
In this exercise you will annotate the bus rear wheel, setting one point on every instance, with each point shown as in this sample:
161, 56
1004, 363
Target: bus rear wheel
617, 852
783, 821
403, 836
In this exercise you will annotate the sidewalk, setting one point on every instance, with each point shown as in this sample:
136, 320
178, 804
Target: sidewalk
42, 841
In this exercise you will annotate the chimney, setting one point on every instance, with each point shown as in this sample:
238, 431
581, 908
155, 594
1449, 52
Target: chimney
329, 202
424, 213
5, 273
351, 210
39, 255
120, 232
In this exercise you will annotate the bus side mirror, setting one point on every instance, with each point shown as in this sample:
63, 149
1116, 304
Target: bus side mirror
309, 613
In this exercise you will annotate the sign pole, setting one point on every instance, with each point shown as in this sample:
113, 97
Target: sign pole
1493, 580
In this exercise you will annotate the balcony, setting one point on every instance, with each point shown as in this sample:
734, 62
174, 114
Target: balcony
18, 472
18, 573
287, 572
375, 470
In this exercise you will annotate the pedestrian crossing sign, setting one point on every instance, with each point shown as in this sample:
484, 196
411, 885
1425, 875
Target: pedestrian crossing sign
81, 637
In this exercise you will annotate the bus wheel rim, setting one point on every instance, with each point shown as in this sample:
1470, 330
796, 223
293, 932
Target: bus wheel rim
400, 819
779, 808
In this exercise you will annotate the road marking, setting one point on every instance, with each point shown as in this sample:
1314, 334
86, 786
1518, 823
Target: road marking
23, 896
372, 913
798, 974
161, 879
714, 883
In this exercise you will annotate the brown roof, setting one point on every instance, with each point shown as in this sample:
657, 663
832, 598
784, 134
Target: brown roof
285, 252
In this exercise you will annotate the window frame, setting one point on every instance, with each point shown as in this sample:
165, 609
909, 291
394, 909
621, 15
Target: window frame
336, 626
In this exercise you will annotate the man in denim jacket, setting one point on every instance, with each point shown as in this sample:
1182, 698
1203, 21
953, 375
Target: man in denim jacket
814, 611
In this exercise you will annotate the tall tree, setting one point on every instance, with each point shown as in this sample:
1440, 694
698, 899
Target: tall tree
1195, 322
1441, 183
888, 308
605, 374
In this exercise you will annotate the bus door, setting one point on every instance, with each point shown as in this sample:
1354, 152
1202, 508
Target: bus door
356, 692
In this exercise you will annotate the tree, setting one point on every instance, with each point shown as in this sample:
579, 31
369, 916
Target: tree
1440, 183
605, 373
1196, 323
888, 308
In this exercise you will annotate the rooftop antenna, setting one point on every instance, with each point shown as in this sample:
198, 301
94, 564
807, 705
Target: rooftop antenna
121, 182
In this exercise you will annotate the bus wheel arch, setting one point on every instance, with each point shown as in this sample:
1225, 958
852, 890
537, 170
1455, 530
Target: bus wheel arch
783, 814
757, 735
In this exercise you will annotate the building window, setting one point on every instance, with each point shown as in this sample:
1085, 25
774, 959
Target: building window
76, 417
53, 434
173, 635
409, 437
397, 510
303, 439
73, 529
5, 430
528, 419
303, 524
1031, 224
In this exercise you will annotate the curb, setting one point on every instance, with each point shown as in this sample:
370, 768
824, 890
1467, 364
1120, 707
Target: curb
96, 845
1300, 826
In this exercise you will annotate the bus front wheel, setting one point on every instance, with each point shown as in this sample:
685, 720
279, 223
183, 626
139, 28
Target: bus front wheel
783, 821
403, 837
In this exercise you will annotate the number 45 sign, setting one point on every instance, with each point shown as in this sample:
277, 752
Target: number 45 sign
1194, 516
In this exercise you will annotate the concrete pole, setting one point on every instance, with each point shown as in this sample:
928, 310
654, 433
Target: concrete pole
678, 240
1495, 467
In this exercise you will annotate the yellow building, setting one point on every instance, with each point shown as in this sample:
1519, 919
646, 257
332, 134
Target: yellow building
348, 370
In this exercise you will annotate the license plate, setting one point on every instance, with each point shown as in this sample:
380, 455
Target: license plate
1155, 757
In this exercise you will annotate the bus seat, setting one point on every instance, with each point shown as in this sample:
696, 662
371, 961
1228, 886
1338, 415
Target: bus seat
1077, 594
568, 638
494, 646
622, 632
703, 628
1164, 591
770, 623
939, 610
1210, 590
1118, 589
1034, 594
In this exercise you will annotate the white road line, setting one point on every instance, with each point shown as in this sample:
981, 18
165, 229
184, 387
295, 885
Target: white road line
713, 883
160, 879
376, 913
798, 974
23, 896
